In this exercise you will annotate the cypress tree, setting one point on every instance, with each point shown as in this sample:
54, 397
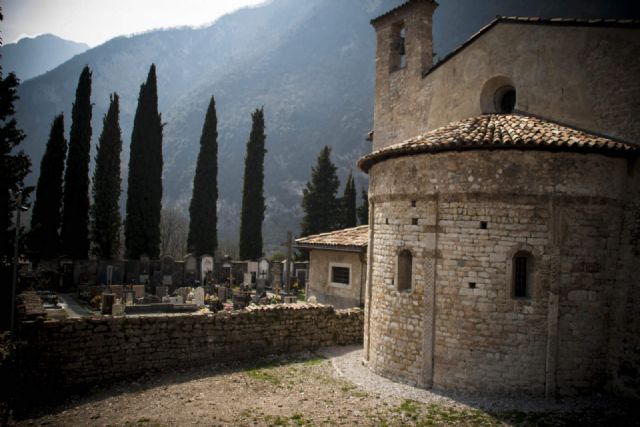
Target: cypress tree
363, 210
349, 203
319, 200
44, 238
144, 194
203, 238
14, 166
75, 213
253, 206
105, 211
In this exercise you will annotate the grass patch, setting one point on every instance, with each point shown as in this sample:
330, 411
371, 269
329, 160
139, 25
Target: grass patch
314, 361
298, 419
263, 375
276, 420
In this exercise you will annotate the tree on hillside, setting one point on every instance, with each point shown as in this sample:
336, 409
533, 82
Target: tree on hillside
253, 206
75, 212
15, 165
348, 204
105, 211
203, 237
319, 197
144, 196
363, 210
44, 238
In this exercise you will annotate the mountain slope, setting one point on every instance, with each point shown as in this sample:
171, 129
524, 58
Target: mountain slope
309, 63
30, 57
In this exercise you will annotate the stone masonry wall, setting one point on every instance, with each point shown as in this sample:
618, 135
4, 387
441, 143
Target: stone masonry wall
77, 352
464, 216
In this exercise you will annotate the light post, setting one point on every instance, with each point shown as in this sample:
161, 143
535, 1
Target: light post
16, 245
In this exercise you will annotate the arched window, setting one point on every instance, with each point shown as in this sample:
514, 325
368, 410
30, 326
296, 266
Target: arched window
405, 265
522, 265
505, 99
498, 95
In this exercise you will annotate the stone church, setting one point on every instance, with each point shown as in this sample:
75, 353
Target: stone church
504, 202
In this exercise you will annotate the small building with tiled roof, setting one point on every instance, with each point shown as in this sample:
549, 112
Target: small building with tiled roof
504, 207
337, 266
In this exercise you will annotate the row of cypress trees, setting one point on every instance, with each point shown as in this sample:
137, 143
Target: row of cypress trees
80, 223
63, 221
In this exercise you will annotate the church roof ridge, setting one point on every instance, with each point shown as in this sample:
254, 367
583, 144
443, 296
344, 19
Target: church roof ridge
502, 131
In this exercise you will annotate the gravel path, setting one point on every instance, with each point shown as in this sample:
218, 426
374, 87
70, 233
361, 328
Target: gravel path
348, 362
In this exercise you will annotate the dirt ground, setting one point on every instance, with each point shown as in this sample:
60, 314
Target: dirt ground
282, 391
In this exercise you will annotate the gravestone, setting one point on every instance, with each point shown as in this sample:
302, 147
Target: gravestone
167, 270
138, 290
247, 279
117, 309
178, 274
144, 272
190, 270
198, 296
206, 266
118, 272
276, 275
162, 290
129, 297
107, 303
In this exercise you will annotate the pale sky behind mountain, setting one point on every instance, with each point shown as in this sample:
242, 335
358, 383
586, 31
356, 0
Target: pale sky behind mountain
96, 21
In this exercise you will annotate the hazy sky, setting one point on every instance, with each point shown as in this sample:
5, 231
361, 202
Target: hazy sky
96, 21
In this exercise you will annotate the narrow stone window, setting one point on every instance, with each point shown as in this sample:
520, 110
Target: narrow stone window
413, 203
398, 59
521, 275
483, 225
402, 47
472, 285
405, 265
414, 221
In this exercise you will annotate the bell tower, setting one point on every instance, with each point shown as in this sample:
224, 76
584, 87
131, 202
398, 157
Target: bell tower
403, 53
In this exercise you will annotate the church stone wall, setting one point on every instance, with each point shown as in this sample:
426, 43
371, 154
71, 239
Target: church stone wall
459, 327
582, 76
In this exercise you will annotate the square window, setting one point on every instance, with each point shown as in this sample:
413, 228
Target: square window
339, 275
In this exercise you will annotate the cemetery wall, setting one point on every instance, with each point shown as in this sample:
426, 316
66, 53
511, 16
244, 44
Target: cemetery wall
80, 352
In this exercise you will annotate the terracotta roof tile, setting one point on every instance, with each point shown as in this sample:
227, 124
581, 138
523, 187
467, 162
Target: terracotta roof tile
354, 238
500, 131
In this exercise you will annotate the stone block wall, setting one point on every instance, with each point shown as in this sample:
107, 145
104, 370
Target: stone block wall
464, 216
79, 352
